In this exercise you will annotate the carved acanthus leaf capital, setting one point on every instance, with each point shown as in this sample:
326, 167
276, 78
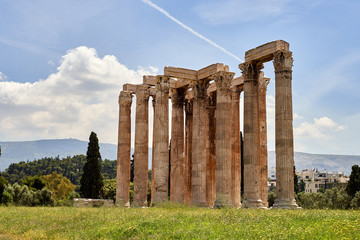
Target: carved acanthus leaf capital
177, 95
125, 99
251, 70
142, 93
223, 79
283, 61
235, 93
263, 83
200, 88
162, 83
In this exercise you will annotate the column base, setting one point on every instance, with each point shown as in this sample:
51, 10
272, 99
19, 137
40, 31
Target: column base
223, 204
285, 204
254, 203
199, 203
140, 204
120, 203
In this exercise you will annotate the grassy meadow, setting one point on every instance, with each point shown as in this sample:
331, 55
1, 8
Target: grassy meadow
176, 222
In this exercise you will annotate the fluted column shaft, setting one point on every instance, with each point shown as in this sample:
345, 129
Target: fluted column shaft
252, 193
200, 148
161, 141
188, 151
211, 164
223, 139
141, 154
177, 146
263, 82
124, 148
236, 148
284, 131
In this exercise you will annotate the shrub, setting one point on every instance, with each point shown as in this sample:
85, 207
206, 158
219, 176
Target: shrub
7, 198
355, 202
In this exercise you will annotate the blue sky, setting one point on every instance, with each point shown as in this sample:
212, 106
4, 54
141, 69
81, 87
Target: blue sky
63, 63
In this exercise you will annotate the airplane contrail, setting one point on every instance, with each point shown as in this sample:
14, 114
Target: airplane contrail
153, 5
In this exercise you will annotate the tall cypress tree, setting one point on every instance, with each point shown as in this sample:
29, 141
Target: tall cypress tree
354, 181
92, 181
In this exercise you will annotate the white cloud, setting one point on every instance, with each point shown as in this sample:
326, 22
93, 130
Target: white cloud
2, 76
220, 12
322, 128
79, 98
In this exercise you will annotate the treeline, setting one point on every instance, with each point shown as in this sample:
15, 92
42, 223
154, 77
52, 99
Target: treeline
69, 167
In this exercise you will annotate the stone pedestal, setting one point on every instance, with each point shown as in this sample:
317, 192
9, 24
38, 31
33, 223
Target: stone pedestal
124, 147
159, 192
252, 192
263, 82
188, 151
284, 131
141, 154
223, 139
177, 146
236, 148
200, 148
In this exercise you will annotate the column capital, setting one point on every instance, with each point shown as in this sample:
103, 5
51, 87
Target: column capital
200, 88
125, 98
142, 93
235, 93
162, 83
223, 79
263, 83
251, 70
177, 95
283, 61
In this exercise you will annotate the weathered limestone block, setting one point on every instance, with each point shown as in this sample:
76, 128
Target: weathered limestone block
200, 141
124, 147
141, 154
177, 146
252, 192
236, 147
263, 82
265, 52
87, 202
284, 131
223, 139
161, 142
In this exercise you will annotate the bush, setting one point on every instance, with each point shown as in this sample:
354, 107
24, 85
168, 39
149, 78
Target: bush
7, 198
271, 197
355, 202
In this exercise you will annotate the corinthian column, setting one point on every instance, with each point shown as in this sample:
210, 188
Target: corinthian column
141, 155
236, 147
200, 148
161, 141
124, 147
177, 145
252, 193
284, 131
263, 82
211, 164
223, 139
188, 151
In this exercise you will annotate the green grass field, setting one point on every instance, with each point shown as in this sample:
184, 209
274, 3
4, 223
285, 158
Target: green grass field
176, 222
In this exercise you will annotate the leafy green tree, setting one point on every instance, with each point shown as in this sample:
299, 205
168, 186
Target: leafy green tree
3, 183
296, 182
91, 181
271, 197
354, 181
34, 182
355, 202
108, 191
302, 186
59, 185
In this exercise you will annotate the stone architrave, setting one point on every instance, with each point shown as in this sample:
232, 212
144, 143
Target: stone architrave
161, 141
284, 131
141, 154
211, 164
252, 191
263, 82
200, 148
236, 148
223, 139
177, 145
188, 151
124, 148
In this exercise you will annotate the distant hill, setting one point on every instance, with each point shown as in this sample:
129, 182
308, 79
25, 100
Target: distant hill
14, 152
328, 162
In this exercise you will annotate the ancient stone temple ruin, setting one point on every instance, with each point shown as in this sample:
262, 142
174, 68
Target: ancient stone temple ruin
205, 167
